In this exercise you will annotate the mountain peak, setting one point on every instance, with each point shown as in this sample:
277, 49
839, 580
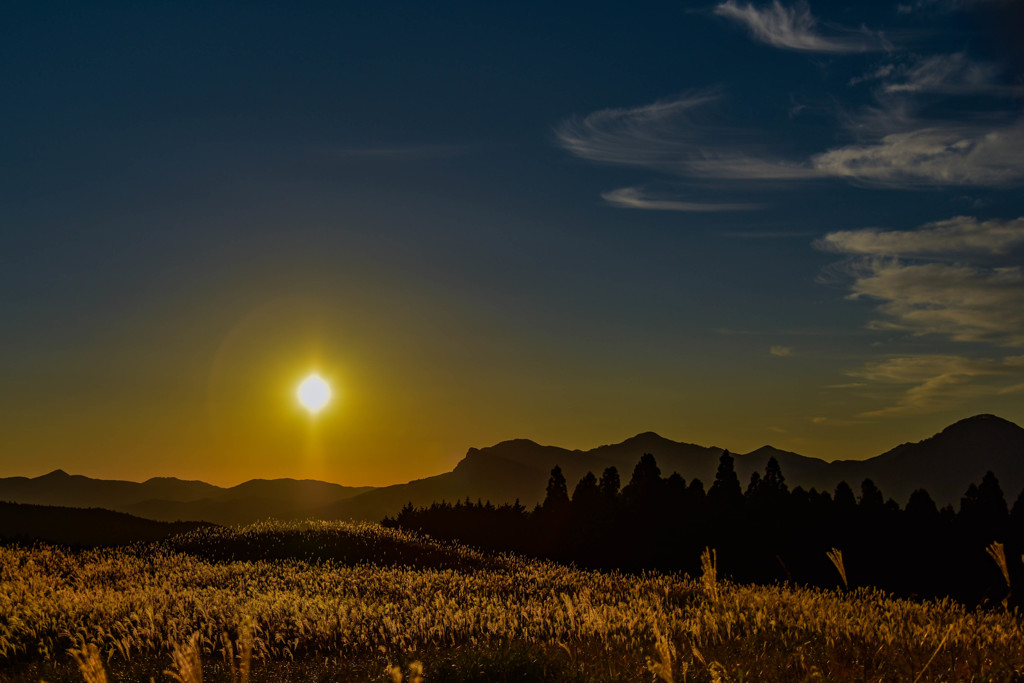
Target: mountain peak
983, 421
511, 443
57, 474
646, 437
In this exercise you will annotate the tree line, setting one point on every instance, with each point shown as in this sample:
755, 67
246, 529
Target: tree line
764, 533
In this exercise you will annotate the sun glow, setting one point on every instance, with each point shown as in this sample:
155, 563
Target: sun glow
314, 393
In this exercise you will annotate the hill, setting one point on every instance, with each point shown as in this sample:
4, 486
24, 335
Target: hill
77, 526
460, 617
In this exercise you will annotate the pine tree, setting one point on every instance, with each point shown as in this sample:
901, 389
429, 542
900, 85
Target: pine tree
557, 497
586, 493
609, 484
843, 498
870, 495
646, 480
921, 507
726, 491
774, 481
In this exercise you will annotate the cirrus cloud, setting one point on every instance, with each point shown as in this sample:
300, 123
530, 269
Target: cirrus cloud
638, 198
935, 155
931, 383
955, 236
939, 279
899, 151
795, 28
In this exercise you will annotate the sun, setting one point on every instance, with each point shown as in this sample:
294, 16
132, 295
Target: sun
314, 393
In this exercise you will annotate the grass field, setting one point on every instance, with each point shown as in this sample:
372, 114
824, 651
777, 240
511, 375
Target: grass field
321, 601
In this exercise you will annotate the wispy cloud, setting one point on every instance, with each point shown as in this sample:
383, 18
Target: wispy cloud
671, 136
781, 351
935, 155
936, 121
795, 28
965, 300
661, 134
955, 236
638, 198
939, 382
949, 74
897, 150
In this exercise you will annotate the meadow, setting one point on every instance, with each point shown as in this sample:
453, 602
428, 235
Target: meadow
332, 601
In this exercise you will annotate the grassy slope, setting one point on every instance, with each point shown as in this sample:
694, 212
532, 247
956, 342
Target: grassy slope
332, 601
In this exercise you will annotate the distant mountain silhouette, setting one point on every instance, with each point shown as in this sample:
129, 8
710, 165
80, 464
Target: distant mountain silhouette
60, 488
170, 499
77, 526
944, 464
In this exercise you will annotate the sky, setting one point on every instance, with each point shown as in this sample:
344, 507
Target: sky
733, 223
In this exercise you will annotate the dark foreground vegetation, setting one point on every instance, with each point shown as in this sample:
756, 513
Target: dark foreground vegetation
764, 534
330, 601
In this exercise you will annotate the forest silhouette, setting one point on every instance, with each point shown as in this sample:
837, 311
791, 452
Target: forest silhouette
763, 533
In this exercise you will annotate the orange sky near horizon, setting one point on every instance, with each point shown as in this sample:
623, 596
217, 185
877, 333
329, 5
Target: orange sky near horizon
403, 408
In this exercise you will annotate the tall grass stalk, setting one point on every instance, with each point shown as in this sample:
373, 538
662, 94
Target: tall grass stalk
709, 572
90, 663
997, 552
661, 667
188, 668
836, 556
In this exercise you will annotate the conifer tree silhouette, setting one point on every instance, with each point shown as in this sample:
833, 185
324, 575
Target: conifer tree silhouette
921, 507
586, 494
843, 497
870, 495
726, 491
983, 510
609, 484
557, 497
774, 481
645, 484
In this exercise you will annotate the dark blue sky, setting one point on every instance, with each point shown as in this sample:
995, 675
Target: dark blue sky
729, 223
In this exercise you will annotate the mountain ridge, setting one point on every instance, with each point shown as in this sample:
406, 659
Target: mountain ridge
519, 469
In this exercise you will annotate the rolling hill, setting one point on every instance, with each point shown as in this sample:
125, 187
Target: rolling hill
78, 526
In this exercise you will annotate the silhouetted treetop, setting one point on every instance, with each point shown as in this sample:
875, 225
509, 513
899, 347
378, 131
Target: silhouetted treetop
755, 484
983, 507
843, 497
609, 483
870, 495
646, 479
726, 488
773, 479
921, 506
558, 491
586, 492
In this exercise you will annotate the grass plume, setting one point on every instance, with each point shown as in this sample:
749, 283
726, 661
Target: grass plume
188, 667
836, 557
90, 664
